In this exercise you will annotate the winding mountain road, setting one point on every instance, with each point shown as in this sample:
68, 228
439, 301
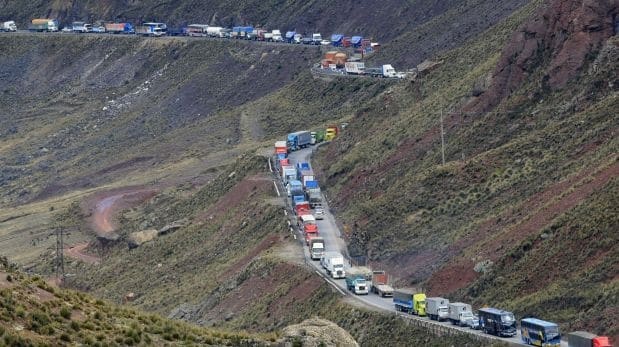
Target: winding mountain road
329, 230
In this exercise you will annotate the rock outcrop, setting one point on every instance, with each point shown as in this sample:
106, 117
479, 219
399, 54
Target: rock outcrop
138, 238
318, 332
559, 39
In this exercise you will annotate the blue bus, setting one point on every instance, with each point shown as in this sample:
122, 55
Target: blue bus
538, 332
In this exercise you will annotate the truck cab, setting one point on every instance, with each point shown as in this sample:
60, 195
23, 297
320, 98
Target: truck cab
360, 286
277, 36
419, 304
81, 27
388, 71
316, 38
331, 133
9, 26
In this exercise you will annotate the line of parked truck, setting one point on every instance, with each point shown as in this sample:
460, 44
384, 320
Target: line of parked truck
306, 201
157, 29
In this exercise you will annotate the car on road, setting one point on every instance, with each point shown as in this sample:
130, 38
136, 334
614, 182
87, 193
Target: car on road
67, 29
319, 213
474, 323
325, 42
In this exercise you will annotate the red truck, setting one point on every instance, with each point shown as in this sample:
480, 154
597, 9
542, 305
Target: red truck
309, 236
302, 208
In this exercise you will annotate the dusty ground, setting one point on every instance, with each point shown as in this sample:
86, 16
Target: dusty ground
78, 251
105, 205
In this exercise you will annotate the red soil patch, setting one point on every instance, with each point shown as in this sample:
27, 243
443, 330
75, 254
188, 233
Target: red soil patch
452, 277
78, 252
250, 291
240, 193
298, 293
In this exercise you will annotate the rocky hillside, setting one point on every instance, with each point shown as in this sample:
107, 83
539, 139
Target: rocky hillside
520, 214
35, 313
418, 28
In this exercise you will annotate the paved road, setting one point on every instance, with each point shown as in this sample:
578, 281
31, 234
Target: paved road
334, 242
285, 44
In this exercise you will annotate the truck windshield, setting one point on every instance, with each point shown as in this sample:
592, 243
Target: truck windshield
443, 309
360, 281
507, 318
467, 315
338, 266
318, 246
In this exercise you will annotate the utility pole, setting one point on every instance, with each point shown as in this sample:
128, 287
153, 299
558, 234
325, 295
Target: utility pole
60, 274
442, 139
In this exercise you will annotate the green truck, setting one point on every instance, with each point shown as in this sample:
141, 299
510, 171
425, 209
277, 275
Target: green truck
358, 280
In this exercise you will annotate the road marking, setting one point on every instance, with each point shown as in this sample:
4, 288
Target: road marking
270, 168
276, 189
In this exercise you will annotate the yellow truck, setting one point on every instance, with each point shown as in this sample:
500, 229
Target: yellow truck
410, 300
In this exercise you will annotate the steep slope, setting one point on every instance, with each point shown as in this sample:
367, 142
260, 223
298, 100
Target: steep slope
529, 146
234, 265
34, 313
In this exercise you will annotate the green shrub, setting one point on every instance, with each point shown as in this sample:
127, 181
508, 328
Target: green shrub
65, 337
65, 313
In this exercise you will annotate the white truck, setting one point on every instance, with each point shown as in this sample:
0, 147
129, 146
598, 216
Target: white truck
213, 31
316, 247
277, 36
316, 39
333, 263
437, 308
81, 27
460, 313
8, 26
354, 67
388, 71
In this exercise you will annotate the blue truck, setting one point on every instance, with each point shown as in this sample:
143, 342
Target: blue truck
336, 40
356, 41
303, 166
241, 32
497, 322
152, 29
298, 140
290, 36
295, 189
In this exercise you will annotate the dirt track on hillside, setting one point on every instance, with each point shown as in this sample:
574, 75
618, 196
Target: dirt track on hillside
77, 251
104, 207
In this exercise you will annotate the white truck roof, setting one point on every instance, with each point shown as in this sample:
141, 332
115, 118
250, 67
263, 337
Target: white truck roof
333, 254
307, 218
280, 143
